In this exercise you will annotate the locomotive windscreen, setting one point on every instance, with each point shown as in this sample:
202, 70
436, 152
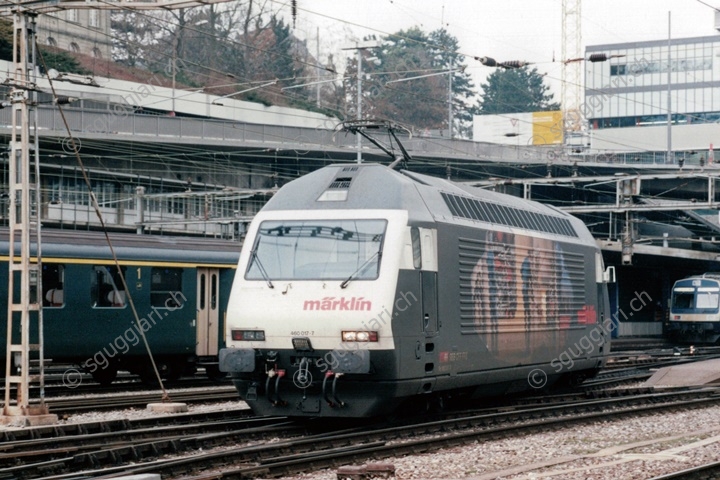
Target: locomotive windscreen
317, 250
696, 299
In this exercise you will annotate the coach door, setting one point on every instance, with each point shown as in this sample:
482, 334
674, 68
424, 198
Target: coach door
208, 322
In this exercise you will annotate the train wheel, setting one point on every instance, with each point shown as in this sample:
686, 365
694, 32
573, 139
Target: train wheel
573, 379
213, 373
435, 405
105, 376
170, 370
148, 376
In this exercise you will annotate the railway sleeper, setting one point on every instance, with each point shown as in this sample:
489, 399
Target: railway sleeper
367, 471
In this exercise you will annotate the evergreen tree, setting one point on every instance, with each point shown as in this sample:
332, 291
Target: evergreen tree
59, 60
447, 56
420, 102
515, 91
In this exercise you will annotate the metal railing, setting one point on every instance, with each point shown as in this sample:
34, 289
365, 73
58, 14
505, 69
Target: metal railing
172, 213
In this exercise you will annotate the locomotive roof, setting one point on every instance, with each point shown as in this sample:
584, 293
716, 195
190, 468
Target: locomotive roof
427, 199
131, 247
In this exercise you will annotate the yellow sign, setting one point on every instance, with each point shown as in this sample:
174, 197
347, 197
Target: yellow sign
547, 128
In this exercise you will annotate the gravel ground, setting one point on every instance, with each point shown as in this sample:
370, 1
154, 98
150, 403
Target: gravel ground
143, 412
131, 413
636, 448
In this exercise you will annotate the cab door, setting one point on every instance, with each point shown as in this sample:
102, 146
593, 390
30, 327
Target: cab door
208, 318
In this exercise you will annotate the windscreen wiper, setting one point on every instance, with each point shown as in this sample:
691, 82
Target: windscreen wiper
362, 267
254, 258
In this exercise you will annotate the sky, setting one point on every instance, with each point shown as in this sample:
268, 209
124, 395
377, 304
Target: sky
528, 30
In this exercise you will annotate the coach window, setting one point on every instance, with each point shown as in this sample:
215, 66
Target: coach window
53, 279
166, 287
106, 287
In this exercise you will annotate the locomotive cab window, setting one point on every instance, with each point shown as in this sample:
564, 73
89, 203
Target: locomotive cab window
696, 300
53, 279
683, 300
166, 288
106, 287
707, 299
317, 250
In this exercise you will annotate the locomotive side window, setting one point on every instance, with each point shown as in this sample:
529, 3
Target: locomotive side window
106, 287
417, 251
166, 287
53, 279
317, 250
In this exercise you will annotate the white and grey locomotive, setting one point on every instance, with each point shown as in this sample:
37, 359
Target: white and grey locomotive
360, 287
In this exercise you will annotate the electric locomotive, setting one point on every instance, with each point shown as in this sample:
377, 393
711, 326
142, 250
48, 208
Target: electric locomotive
360, 287
179, 287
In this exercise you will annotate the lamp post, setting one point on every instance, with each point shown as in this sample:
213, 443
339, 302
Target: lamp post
178, 45
670, 158
359, 48
359, 102
450, 109
449, 73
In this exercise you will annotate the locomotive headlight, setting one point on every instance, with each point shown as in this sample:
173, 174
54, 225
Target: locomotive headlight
248, 335
359, 336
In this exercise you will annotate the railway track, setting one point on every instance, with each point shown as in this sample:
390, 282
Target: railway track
58, 382
128, 441
708, 471
657, 359
67, 406
308, 449
118, 400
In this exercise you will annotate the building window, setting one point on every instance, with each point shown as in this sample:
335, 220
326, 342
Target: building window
617, 69
52, 42
97, 53
74, 47
72, 16
93, 18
